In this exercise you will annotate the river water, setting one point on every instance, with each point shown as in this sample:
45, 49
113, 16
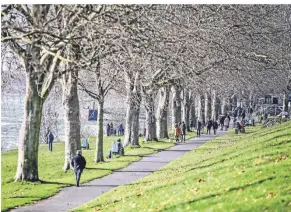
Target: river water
12, 108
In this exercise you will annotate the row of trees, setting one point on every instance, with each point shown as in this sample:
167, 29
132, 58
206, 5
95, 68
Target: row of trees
192, 57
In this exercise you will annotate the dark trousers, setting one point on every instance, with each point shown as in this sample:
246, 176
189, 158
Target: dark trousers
183, 137
208, 130
50, 146
214, 130
198, 132
78, 176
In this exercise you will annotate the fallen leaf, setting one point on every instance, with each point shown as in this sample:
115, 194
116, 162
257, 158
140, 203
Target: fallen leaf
201, 180
270, 196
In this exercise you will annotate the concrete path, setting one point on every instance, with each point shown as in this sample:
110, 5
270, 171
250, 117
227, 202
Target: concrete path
71, 197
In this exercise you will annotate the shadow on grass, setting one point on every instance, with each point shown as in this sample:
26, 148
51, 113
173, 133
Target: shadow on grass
57, 183
92, 168
135, 171
140, 155
22, 197
172, 208
111, 186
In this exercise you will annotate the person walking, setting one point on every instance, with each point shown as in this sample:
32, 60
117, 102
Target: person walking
177, 132
50, 138
215, 127
79, 163
120, 130
111, 128
222, 122
108, 129
199, 125
209, 125
183, 131
226, 123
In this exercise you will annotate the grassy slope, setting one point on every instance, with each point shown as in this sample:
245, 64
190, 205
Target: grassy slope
52, 176
249, 172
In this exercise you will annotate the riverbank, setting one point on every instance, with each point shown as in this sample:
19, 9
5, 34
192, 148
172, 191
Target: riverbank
53, 178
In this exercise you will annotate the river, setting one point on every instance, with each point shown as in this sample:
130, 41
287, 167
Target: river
12, 108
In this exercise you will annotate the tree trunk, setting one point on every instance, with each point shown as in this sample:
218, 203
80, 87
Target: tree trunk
128, 119
150, 118
198, 107
285, 102
186, 108
193, 113
99, 140
224, 106
135, 126
207, 108
27, 168
72, 120
213, 105
176, 105
162, 113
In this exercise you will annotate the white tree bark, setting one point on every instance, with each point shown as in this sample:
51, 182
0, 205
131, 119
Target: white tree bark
224, 106
132, 112
198, 107
162, 113
213, 105
151, 134
72, 120
99, 157
27, 168
176, 105
135, 126
186, 108
207, 107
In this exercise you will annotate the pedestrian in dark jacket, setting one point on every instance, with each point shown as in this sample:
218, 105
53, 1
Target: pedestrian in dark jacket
183, 129
108, 129
222, 122
209, 125
79, 163
50, 139
199, 126
215, 127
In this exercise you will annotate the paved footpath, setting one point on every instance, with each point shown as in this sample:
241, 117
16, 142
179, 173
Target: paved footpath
71, 197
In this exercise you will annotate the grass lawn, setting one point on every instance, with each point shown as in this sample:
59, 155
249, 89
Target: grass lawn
53, 178
250, 172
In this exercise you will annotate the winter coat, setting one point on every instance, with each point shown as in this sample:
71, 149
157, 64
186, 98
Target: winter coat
78, 162
226, 121
209, 124
215, 125
50, 137
177, 131
199, 125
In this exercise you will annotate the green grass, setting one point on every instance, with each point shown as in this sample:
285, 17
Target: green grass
249, 172
53, 178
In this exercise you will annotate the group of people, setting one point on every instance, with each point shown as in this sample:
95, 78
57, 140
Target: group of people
224, 122
210, 124
180, 132
111, 131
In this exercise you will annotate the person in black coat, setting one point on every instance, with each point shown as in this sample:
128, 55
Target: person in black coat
199, 126
209, 125
215, 127
183, 129
79, 163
